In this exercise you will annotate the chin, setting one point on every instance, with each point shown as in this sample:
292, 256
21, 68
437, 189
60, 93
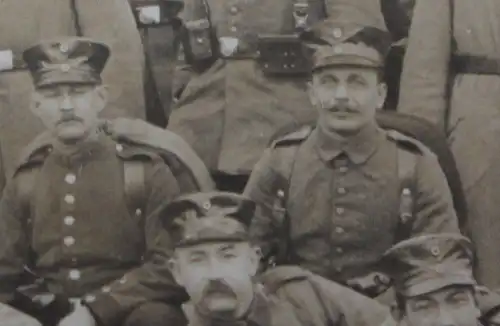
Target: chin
222, 305
71, 136
344, 126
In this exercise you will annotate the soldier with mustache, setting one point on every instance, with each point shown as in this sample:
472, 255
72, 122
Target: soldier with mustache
335, 196
68, 214
216, 263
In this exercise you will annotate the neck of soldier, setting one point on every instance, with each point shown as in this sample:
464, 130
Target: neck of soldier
72, 147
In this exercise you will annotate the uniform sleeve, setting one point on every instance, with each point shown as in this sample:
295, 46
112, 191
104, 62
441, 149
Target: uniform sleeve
112, 22
14, 249
153, 280
349, 307
260, 188
434, 210
425, 72
183, 72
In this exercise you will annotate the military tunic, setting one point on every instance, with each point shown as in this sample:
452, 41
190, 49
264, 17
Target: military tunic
229, 111
26, 22
79, 231
474, 113
343, 199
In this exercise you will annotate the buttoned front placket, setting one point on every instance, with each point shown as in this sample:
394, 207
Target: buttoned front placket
69, 223
340, 167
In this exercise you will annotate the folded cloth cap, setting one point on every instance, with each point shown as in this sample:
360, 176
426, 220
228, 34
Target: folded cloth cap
428, 263
66, 61
347, 44
208, 217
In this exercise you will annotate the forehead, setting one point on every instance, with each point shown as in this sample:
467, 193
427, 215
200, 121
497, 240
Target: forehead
60, 88
346, 71
210, 247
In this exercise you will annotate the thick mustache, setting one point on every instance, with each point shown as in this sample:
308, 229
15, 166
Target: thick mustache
218, 287
69, 117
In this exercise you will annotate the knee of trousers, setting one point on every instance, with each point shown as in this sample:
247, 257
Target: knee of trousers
156, 314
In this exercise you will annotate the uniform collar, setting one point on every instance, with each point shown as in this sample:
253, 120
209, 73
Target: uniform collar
358, 148
83, 152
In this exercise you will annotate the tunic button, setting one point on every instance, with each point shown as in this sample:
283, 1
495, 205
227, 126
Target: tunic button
89, 298
70, 178
106, 289
69, 220
69, 241
339, 250
337, 50
199, 40
338, 269
337, 32
69, 199
339, 230
340, 210
341, 191
119, 147
74, 275
233, 10
233, 29
138, 212
343, 169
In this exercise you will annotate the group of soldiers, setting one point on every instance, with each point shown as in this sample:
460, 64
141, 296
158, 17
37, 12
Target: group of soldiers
284, 189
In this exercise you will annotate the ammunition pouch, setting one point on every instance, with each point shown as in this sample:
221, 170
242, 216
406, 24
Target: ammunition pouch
47, 308
283, 55
199, 42
168, 12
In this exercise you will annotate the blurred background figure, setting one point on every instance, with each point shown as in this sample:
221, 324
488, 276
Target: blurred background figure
451, 76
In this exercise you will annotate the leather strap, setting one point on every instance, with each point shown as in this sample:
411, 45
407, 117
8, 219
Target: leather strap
479, 65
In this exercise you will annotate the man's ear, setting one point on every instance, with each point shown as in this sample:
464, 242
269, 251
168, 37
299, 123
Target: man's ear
173, 266
382, 94
36, 98
311, 92
255, 258
102, 95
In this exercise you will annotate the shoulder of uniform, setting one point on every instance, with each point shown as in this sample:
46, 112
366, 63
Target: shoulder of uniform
133, 152
35, 153
277, 277
291, 138
405, 142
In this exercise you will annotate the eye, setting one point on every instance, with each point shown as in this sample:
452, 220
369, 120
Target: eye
420, 305
196, 258
459, 298
357, 81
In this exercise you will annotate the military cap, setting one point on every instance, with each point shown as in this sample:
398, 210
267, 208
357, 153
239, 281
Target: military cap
428, 263
66, 61
333, 43
208, 217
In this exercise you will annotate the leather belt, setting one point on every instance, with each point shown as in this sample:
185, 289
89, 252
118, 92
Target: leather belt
478, 65
11, 61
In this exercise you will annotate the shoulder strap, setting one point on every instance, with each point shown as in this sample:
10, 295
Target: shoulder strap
407, 165
451, 68
134, 180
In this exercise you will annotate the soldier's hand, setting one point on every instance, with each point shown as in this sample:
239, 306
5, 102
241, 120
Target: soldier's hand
80, 316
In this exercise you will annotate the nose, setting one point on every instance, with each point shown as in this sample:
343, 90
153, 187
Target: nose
445, 317
66, 103
341, 93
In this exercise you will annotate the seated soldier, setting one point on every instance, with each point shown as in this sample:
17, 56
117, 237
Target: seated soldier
434, 285
215, 262
334, 197
68, 214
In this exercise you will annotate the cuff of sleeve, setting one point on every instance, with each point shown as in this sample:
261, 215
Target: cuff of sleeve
105, 310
